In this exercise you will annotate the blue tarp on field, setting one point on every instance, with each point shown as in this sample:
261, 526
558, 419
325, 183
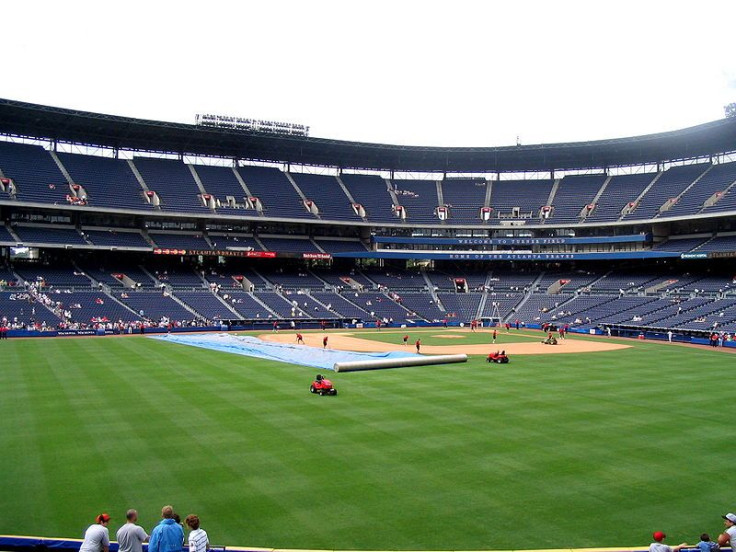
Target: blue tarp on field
247, 345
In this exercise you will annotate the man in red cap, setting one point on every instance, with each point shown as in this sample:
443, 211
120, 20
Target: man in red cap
728, 537
659, 546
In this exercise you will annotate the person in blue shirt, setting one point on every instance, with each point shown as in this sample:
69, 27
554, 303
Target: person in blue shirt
707, 545
167, 536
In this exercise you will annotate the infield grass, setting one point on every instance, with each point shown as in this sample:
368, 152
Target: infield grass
551, 451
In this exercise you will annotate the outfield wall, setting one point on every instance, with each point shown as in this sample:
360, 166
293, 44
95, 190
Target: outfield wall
36, 544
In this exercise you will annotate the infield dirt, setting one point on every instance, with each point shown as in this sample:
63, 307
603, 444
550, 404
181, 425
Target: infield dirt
351, 341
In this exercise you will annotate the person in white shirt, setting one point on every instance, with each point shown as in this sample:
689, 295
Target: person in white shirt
659, 546
198, 540
728, 537
97, 536
131, 536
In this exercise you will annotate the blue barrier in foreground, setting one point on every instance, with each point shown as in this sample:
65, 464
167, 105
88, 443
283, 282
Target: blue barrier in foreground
13, 543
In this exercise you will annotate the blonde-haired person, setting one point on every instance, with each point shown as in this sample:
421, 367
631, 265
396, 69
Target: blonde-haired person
198, 539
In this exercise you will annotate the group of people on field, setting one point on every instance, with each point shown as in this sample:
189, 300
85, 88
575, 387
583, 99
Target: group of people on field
167, 536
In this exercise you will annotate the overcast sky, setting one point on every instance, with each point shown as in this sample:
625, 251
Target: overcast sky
422, 73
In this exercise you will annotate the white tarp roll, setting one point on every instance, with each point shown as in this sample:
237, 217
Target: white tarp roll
380, 364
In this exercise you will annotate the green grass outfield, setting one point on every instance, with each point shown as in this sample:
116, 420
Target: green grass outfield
555, 451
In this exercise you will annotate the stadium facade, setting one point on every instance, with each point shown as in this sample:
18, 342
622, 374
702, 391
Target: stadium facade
113, 219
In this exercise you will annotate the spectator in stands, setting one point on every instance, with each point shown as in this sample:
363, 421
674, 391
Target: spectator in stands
659, 546
198, 540
728, 537
97, 536
707, 545
131, 536
167, 536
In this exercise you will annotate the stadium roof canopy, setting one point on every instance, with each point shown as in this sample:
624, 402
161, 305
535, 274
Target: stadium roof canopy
94, 129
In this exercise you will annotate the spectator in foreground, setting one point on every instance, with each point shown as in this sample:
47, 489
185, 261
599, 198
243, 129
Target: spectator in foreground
131, 536
707, 545
168, 535
659, 546
198, 540
97, 536
728, 537
177, 519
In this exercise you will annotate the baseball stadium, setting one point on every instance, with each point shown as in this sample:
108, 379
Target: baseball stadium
169, 292
357, 344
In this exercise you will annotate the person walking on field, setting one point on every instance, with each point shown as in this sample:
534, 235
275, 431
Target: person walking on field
495, 335
97, 536
168, 535
299, 339
131, 536
324, 342
406, 340
418, 345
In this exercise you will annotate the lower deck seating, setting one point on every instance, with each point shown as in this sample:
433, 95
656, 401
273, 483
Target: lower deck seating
155, 306
423, 305
461, 307
18, 306
92, 306
310, 306
87, 292
340, 305
53, 276
206, 304
380, 306
246, 304
283, 307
